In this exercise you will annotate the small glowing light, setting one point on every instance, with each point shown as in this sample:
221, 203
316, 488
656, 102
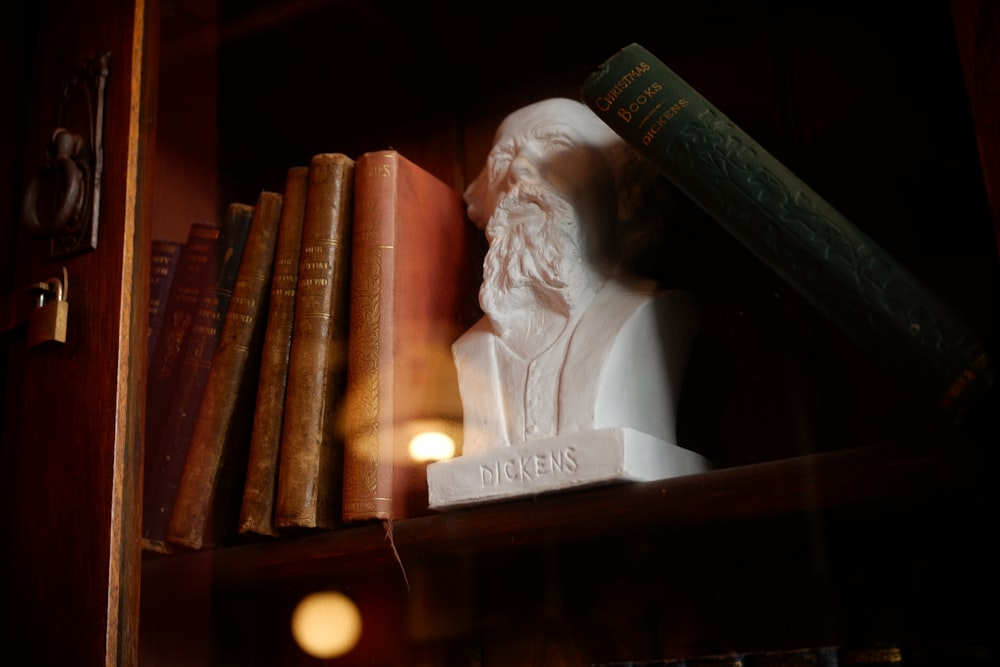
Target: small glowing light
432, 439
326, 624
431, 446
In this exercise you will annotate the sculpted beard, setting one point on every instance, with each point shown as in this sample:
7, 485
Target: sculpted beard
534, 254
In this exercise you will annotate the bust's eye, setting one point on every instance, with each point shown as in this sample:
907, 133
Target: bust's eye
559, 144
499, 164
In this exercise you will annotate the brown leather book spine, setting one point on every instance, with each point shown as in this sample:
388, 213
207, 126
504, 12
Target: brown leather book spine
257, 508
408, 263
311, 458
194, 272
212, 481
176, 403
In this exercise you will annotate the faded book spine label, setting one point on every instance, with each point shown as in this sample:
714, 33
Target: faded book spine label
163, 267
193, 275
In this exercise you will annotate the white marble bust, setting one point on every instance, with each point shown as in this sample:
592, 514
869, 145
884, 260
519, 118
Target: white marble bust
577, 364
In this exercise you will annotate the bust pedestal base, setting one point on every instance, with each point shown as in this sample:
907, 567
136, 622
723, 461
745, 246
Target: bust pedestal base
589, 458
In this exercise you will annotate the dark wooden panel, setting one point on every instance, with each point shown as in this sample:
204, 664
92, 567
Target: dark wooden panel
75, 451
977, 28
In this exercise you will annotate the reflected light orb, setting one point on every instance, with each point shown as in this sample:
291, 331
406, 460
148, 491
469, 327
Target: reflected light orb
326, 624
431, 446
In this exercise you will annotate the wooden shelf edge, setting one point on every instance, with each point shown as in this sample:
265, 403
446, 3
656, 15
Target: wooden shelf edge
861, 477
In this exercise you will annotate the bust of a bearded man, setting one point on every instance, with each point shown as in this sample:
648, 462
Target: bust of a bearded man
573, 374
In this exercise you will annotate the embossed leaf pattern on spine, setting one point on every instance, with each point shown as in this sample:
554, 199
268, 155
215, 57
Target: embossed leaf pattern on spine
368, 469
745, 189
407, 258
363, 369
793, 230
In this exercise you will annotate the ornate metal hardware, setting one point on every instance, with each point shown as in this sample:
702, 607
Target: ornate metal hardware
62, 201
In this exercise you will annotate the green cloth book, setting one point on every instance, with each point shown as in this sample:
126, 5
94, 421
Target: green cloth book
793, 230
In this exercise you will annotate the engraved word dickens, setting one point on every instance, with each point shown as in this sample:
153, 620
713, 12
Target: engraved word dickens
526, 469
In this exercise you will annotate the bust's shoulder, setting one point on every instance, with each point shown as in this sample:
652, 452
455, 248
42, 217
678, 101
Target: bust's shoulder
626, 294
628, 307
479, 334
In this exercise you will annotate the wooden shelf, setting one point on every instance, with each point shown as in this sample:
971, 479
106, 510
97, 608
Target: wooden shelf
864, 478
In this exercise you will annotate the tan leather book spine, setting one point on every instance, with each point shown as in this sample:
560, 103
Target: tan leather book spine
212, 481
310, 461
406, 286
257, 508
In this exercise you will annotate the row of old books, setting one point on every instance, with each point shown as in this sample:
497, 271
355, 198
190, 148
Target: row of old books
296, 351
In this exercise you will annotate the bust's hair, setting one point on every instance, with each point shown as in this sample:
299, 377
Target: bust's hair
635, 177
647, 202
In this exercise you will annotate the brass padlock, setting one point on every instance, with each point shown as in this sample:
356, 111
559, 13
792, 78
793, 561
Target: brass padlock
47, 322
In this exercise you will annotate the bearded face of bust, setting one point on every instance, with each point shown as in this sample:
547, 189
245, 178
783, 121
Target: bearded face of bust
547, 200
